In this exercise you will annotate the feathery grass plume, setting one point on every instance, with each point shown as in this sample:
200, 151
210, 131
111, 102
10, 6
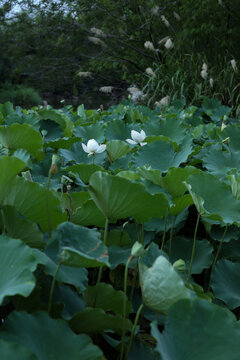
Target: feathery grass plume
149, 45
136, 94
155, 10
84, 74
106, 89
204, 71
169, 44
234, 65
150, 72
177, 16
211, 82
163, 102
96, 41
163, 40
165, 21
97, 32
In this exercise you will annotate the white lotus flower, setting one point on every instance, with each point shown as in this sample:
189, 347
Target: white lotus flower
137, 138
93, 148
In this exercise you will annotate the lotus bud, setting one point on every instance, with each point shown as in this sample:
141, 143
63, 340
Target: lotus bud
69, 188
179, 265
211, 82
137, 249
54, 164
44, 133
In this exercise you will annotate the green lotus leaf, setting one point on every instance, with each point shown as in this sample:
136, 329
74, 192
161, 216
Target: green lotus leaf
213, 198
194, 330
116, 149
119, 198
179, 204
225, 282
160, 155
233, 132
182, 249
104, 296
22, 136
95, 131
88, 214
170, 127
17, 263
161, 285
84, 171
95, 321
81, 247
60, 118
219, 163
20, 228
24, 195
8, 350
10, 166
118, 130
65, 143
34, 330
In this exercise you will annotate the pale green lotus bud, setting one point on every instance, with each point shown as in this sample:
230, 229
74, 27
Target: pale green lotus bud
179, 265
137, 249
54, 167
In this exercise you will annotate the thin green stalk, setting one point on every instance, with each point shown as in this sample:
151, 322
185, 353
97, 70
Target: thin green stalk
104, 241
124, 306
48, 210
52, 289
134, 282
217, 254
133, 330
193, 248
164, 233
171, 237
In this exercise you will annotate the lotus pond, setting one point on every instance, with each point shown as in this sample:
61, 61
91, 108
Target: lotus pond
120, 233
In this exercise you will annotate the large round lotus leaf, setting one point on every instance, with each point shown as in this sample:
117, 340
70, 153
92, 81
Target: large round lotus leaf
171, 127
48, 339
17, 263
198, 330
59, 143
143, 351
161, 285
219, 163
160, 155
118, 130
30, 200
95, 131
233, 132
22, 136
117, 149
215, 197
18, 227
179, 204
81, 247
105, 297
60, 118
84, 171
95, 321
10, 166
225, 282
120, 198
182, 249
88, 214
8, 350
77, 155
173, 181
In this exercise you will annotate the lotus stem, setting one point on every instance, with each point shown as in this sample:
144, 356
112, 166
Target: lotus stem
124, 306
52, 289
217, 254
48, 210
134, 282
104, 241
164, 233
171, 237
133, 330
193, 248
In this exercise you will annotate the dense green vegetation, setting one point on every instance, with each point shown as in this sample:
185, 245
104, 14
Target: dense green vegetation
119, 232
69, 49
